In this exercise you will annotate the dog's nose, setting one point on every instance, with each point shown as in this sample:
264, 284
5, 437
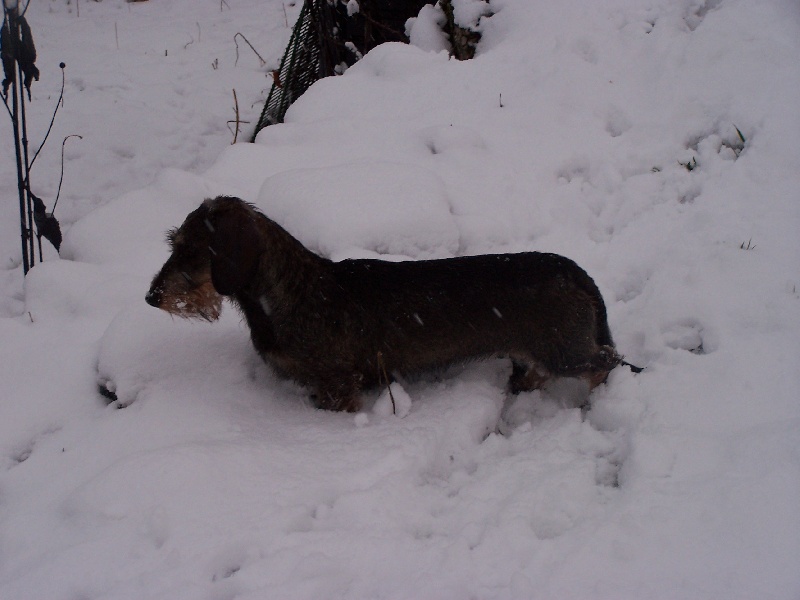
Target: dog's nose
153, 298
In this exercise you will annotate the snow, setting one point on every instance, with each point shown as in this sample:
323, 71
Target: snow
410, 216
568, 132
425, 30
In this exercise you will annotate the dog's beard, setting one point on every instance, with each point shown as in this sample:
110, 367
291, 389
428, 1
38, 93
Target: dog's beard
202, 302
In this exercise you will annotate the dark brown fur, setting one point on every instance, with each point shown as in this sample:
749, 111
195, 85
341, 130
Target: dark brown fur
336, 326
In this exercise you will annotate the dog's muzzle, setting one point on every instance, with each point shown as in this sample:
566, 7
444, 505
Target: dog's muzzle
153, 298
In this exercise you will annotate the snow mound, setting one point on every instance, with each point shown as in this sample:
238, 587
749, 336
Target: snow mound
380, 208
144, 348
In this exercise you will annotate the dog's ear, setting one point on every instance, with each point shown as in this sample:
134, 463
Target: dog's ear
234, 248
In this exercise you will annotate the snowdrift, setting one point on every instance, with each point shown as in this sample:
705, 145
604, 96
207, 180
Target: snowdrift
653, 143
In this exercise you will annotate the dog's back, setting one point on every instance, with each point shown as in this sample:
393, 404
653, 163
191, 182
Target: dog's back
542, 310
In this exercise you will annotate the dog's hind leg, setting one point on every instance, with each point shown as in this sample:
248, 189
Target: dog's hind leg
525, 377
601, 365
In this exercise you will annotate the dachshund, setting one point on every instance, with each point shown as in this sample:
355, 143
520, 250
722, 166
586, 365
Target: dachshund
340, 328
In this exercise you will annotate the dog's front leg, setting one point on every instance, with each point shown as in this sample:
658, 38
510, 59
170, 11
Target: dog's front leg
339, 393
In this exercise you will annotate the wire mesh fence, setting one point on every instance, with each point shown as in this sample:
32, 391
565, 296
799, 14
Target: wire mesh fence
329, 36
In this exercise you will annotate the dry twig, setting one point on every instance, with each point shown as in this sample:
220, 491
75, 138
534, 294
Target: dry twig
382, 374
263, 62
237, 121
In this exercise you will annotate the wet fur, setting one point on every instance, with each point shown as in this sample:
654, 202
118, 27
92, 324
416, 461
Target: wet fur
336, 327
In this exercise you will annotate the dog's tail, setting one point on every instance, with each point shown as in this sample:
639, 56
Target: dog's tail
633, 368
607, 359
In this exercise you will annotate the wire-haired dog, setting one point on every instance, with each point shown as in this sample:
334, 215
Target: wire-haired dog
340, 327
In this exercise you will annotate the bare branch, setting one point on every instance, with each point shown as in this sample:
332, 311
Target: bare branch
263, 62
237, 120
60, 181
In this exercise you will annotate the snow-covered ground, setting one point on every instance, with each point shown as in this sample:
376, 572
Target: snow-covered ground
569, 132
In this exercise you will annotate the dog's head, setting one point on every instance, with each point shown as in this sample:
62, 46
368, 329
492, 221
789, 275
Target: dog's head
213, 255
